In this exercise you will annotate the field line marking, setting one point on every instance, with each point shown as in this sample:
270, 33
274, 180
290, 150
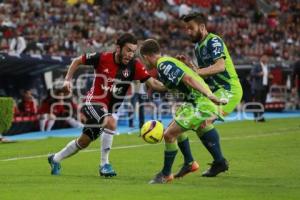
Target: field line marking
142, 145
83, 151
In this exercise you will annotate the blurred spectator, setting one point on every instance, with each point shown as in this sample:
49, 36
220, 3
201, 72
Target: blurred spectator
246, 84
260, 85
73, 27
46, 118
137, 102
65, 109
17, 44
184, 9
28, 105
296, 80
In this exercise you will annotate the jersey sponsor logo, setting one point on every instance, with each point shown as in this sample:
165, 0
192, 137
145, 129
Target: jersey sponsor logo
217, 51
168, 71
217, 46
165, 68
126, 73
176, 73
112, 88
109, 80
171, 77
90, 55
216, 42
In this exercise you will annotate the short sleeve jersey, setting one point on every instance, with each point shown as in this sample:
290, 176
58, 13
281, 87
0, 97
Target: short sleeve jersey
112, 80
207, 53
170, 73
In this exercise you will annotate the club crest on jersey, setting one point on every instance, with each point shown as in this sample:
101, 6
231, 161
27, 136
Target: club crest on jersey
125, 73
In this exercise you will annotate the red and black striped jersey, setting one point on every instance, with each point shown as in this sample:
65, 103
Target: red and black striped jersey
112, 80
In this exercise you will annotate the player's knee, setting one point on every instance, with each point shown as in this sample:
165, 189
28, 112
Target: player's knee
169, 138
110, 123
52, 116
83, 142
201, 131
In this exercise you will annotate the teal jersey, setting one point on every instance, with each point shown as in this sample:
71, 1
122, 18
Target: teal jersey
170, 73
207, 52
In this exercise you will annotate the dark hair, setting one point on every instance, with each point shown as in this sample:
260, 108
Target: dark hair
150, 46
126, 38
199, 18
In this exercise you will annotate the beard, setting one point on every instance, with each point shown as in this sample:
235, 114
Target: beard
121, 58
197, 37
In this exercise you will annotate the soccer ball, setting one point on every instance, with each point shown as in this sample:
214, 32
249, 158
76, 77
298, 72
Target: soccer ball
152, 131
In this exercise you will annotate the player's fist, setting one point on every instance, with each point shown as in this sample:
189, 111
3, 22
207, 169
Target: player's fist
217, 101
67, 87
186, 61
223, 101
181, 57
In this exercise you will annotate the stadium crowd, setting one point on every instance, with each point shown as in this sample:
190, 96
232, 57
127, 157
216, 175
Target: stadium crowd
56, 27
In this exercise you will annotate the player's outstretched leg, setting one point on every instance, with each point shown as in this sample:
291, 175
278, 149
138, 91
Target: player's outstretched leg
186, 169
216, 168
160, 178
165, 175
189, 164
210, 139
170, 135
55, 166
106, 168
70, 149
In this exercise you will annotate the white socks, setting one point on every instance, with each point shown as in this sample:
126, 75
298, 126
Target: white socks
106, 143
50, 124
74, 123
70, 149
42, 124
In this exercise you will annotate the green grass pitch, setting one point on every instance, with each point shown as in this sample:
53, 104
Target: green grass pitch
264, 164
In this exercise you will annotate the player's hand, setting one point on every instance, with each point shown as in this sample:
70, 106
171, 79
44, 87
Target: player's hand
181, 57
208, 122
186, 61
67, 87
217, 101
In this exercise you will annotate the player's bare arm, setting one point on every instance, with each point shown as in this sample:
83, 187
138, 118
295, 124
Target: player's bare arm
156, 85
72, 69
188, 80
217, 67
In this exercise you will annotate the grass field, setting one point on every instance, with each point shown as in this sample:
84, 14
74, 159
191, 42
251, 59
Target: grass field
264, 164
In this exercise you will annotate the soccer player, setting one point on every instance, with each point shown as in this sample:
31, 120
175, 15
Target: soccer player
198, 107
114, 71
217, 69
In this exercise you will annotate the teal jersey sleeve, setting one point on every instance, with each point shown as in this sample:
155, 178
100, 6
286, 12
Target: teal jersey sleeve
215, 47
169, 73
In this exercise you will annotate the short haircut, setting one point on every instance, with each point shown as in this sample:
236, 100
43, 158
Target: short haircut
126, 38
199, 18
150, 46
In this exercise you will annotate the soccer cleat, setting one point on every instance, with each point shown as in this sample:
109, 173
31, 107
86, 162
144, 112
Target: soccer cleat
55, 166
161, 179
216, 168
186, 169
107, 171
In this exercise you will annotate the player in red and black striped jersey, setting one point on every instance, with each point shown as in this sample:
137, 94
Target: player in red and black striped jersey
114, 73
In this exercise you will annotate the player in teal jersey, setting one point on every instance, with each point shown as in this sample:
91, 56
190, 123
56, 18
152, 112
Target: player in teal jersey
200, 103
216, 67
